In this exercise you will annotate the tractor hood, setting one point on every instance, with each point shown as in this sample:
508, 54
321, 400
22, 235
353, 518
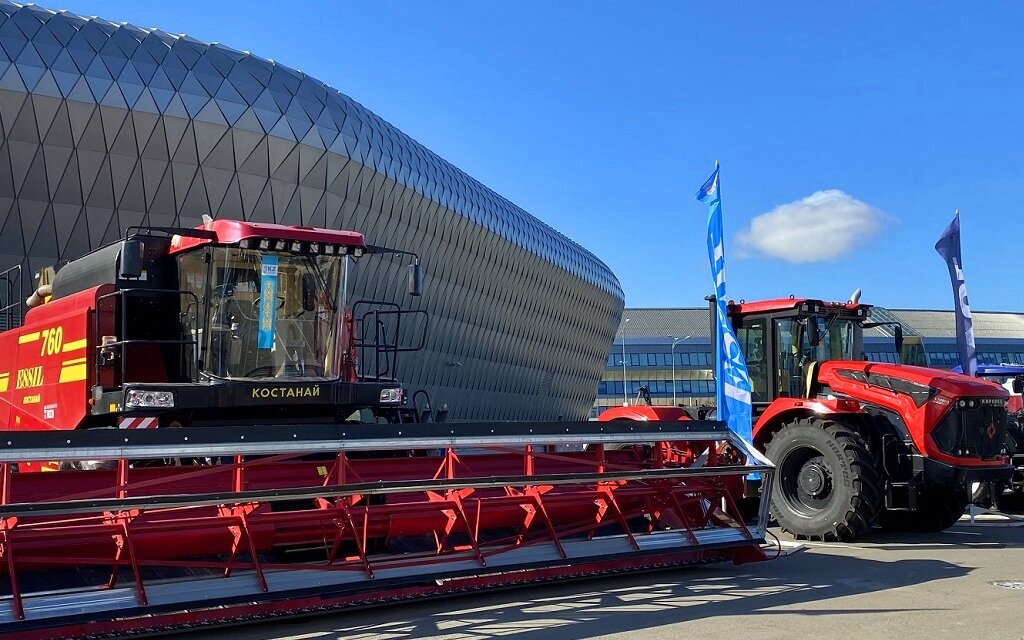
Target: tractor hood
884, 374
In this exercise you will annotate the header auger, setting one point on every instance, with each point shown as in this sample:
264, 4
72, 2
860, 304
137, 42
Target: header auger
231, 440
299, 520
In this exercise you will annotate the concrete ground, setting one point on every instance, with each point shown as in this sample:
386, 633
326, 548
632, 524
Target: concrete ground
887, 586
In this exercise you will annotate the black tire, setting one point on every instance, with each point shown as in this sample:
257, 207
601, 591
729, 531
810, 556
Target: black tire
826, 484
938, 508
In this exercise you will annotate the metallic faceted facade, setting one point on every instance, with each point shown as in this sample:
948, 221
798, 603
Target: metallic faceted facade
106, 126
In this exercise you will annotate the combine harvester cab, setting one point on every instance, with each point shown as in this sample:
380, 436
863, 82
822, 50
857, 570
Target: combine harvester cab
302, 519
232, 442
855, 442
229, 323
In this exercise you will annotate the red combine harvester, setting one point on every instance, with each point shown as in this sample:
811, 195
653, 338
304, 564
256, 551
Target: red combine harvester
855, 442
229, 440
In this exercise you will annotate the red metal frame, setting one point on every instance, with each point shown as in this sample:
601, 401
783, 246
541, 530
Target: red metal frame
477, 507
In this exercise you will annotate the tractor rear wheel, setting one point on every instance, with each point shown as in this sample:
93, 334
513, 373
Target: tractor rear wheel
938, 508
826, 484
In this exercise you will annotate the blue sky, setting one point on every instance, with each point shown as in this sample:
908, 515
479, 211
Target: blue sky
857, 129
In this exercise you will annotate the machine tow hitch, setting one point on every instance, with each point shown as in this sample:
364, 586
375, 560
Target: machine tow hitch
291, 520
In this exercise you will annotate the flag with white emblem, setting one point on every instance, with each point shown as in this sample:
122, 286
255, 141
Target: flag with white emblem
732, 382
948, 247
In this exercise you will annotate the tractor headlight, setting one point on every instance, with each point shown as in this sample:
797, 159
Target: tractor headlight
391, 396
141, 398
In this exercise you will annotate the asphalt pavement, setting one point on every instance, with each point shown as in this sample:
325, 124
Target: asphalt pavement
967, 582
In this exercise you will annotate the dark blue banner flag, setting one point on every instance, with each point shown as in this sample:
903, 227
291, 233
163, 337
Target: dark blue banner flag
732, 383
948, 247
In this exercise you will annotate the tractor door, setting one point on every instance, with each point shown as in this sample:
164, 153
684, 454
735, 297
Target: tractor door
776, 348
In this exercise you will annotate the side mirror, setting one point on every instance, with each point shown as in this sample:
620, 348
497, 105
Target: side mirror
898, 338
308, 292
813, 335
131, 258
1018, 385
415, 279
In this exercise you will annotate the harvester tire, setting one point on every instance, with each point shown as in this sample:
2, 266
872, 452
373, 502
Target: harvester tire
826, 486
938, 508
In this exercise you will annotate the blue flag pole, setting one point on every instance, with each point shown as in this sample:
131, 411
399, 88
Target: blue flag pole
948, 247
732, 382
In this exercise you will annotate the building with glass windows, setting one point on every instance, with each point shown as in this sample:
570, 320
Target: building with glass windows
668, 351
106, 126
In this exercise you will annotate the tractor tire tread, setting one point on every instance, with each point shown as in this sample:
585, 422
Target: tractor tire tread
865, 501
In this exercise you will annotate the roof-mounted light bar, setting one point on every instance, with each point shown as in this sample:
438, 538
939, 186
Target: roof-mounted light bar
316, 248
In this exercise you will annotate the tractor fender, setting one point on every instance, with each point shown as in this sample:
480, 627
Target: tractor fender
643, 413
783, 410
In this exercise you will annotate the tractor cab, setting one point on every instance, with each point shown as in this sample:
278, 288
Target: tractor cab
785, 340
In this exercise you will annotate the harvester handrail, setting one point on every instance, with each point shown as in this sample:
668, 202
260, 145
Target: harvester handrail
125, 341
19, 446
11, 295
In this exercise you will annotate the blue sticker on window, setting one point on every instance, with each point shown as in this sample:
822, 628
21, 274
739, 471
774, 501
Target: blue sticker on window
268, 302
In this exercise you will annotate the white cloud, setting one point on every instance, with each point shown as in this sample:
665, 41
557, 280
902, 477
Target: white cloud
823, 226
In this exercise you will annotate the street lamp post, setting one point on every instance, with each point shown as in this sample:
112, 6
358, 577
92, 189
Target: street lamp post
674, 342
622, 331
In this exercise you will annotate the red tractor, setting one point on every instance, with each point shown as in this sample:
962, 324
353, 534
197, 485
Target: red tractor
857, 442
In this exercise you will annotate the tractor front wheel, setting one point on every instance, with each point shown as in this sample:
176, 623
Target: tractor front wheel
826, 484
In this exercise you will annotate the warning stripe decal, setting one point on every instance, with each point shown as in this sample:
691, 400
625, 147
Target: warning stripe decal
138, 423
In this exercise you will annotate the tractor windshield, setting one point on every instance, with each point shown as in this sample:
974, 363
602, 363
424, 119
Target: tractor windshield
263, 314
803, 342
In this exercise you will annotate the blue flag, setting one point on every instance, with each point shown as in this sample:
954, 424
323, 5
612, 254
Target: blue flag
732, 383
948, 247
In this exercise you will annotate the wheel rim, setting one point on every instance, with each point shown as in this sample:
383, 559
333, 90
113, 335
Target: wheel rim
806, 481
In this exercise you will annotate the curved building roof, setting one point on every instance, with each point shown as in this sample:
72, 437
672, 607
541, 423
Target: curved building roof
105, 126
64, 55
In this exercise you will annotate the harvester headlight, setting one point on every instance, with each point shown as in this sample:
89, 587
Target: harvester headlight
141, 398
329, 249
264, 244
280, 245
358, 252
391, 396
314, 247
962, 403
296, 246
